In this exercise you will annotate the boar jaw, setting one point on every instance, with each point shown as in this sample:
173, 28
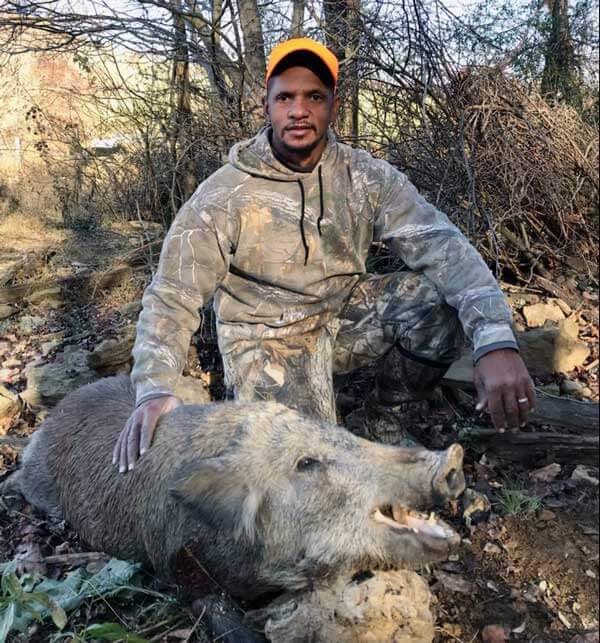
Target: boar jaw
430, 532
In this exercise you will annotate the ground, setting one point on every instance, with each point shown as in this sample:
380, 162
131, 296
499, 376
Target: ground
528, 565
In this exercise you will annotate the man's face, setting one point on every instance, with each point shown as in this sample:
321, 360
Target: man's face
300, 107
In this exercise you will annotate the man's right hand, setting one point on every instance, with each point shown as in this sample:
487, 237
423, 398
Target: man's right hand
135, 439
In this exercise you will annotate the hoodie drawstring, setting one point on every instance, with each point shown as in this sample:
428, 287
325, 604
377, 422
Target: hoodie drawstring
321, 208
302, 233
302, 213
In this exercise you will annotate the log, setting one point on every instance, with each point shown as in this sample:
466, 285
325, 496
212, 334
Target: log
538, 448
86, 280
556, 411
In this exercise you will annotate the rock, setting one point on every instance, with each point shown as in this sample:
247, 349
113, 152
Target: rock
547, 473
571, 387
552, 389
47, 384
50, 297
553, 350
569, 351
28, 324
566, 309
538, 314
48, 347
7, 311
110, 354
454, 582
131, 309
546, 515
10, 407
585, 475
476, 507
587, 637
387, 607
492, 548
494, 634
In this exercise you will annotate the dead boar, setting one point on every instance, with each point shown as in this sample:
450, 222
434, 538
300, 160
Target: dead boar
252, 496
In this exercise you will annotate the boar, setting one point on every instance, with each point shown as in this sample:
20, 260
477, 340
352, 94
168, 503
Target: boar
250, 497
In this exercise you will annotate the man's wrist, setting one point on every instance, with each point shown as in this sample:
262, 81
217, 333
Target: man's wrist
496, 346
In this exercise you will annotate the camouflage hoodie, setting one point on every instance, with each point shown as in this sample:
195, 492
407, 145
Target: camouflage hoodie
281, 251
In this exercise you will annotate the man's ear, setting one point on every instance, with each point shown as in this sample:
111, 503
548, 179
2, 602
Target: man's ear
215, 491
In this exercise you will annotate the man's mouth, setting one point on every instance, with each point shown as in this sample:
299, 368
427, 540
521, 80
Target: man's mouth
299, 128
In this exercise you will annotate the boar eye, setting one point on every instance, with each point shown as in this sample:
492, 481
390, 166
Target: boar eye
307, 464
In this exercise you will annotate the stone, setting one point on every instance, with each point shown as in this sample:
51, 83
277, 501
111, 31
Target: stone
538, 314
391, 606
49, 346
47, 384
494, 634
131, 309
569, 351
111, 354
571, 387
585, 475
7, 311
49, 297
547, 473
553, 350
546, 515
10, 407
492, 548
566, 309
28, 324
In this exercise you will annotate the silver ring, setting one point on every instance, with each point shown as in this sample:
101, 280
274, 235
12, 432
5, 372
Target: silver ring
523, 400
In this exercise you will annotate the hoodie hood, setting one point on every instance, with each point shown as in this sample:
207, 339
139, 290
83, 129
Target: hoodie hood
255, 157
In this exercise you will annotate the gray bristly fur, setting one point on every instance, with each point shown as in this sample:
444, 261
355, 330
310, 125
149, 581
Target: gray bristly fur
268, 498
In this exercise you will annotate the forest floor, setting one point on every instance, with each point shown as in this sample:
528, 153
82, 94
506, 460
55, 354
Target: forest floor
528, 565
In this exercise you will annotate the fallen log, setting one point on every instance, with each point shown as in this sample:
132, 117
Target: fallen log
556, 411
85, 281
537, 448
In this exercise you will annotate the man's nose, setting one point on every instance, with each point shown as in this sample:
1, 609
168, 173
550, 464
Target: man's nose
298, 109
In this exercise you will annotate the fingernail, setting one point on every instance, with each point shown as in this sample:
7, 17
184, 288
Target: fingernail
479, 406
502, 430
122, 469
142, 451
130, 467
523, 424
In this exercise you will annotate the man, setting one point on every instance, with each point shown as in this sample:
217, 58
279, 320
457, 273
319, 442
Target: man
279, 236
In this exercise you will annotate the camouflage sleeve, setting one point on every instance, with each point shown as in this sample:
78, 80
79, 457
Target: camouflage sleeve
426, 240
193, 261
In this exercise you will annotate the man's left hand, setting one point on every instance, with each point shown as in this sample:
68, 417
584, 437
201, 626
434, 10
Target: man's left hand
504, 388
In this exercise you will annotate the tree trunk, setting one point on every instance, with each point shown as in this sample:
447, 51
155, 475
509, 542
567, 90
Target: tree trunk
254, 61
342, 26
297, 27
184, 179
560, 79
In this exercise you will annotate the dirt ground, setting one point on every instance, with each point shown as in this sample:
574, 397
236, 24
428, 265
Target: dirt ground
528, 566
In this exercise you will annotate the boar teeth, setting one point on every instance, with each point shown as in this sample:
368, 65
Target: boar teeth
399, 513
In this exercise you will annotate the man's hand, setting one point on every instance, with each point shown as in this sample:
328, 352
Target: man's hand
504, 388
136, 437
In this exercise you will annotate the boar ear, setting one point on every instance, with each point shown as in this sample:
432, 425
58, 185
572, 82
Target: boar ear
213, 489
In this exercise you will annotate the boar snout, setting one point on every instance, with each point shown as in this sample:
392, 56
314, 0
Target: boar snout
449, 480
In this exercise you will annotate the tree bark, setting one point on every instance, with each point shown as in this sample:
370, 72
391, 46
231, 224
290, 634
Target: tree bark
560, 76
297, 27
254, 60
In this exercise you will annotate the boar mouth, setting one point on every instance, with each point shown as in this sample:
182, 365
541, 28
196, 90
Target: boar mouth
430, 530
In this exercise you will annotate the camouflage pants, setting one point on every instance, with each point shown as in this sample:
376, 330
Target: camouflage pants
398, 319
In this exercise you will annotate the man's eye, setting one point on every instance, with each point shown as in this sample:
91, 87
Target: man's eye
317, 97
281, 98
